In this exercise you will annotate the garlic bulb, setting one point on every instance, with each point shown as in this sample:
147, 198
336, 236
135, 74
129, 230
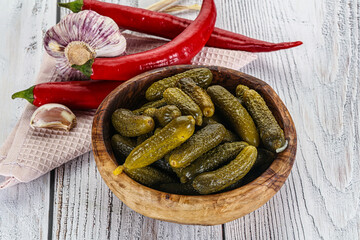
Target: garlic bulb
53, 116
80, 37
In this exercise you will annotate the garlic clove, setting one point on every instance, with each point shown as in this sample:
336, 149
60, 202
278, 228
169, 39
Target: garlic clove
53, 116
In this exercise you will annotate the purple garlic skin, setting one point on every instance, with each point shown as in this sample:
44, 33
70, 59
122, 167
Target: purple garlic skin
80, 37
53, 116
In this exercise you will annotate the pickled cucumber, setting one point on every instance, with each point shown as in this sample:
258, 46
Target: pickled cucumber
239, 118
211, 182
164, 166
148, 176
201, 142
155, 147
271, 134
211, 160
122, 146
175, 96
201, 76
208, 120
263, 161
240, 89
149, 112
153, 104
198, 94
130, 125
163, 115
229, 135
140, 139
157, 130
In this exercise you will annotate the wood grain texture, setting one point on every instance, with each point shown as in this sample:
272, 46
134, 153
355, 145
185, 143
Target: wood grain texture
321, 198
24, 209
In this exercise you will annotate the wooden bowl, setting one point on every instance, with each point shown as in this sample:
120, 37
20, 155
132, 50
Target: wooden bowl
207, 209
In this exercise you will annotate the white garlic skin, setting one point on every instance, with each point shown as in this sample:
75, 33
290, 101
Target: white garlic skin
101, 34
53, 116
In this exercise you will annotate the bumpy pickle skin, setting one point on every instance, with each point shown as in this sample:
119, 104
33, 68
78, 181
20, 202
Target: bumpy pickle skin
159, 144
239, 118
198, 94
149, 112
122, 146
153, 104
140, 139
130, 125
217, 180
175, 96
211, 160
201, 76
165, 114
148, 176
271, 134
229, 135
163, 165
201, 142
239, 92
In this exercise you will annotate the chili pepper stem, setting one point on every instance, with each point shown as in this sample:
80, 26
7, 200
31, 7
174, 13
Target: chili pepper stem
86, 68
27, 94
75, 6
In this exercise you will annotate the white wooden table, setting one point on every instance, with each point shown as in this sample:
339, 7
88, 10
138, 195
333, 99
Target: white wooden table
319, 83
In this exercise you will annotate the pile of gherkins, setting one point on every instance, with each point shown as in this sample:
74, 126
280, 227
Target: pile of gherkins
193, 138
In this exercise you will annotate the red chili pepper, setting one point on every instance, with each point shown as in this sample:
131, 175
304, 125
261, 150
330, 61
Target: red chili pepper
180, 50
73, 94
169, 26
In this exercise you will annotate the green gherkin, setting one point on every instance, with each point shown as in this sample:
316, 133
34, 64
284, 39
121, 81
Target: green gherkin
239, 118
217, 180
198, 94
201, 76
130, 125
159, 144
163, 115
201, 142
211, 160
153, 104
271, 134
175, 96
122, 146
148, 176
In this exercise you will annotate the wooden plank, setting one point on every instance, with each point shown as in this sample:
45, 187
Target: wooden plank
319, 83
24, 209
85, 208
